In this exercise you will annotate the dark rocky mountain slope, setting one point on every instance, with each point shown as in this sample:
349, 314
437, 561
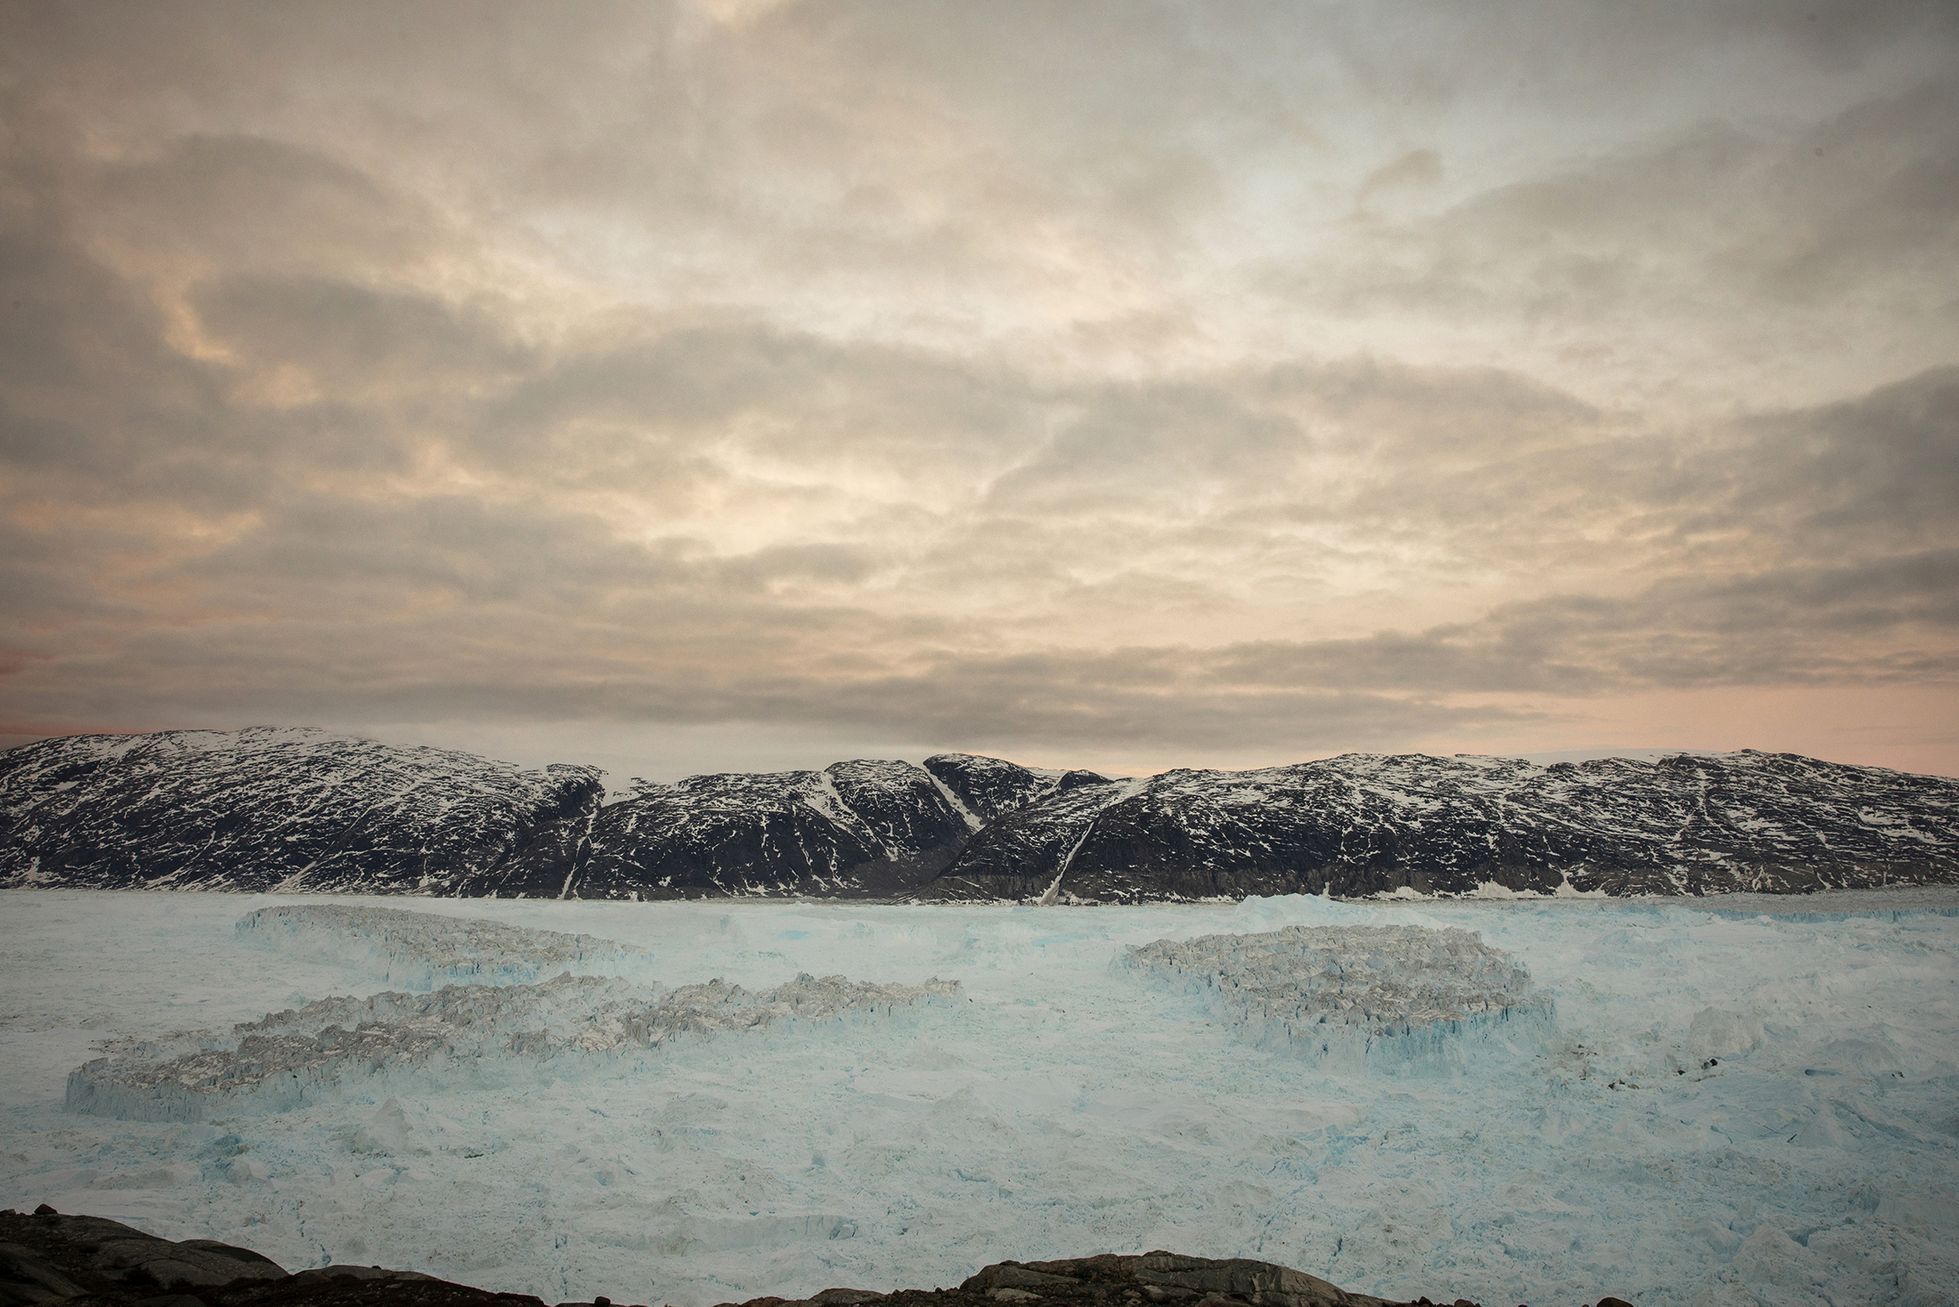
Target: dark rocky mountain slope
1367, 824
268, 808
990, 787
868, 827
48, 1259
304, 811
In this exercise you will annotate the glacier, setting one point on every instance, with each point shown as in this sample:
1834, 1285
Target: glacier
419, 950
479, 1034
1730, 1100
1382, 994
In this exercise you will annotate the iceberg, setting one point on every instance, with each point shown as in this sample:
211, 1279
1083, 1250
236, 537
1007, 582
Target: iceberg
481, 1034
1393, 994
419, 950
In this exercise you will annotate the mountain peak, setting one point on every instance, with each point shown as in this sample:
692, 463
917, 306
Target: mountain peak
291, 809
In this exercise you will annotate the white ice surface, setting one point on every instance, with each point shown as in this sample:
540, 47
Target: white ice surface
420, 950
1063, 1109
460, 1036
1385, 995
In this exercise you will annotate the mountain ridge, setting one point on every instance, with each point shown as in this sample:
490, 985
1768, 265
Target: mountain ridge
298, 810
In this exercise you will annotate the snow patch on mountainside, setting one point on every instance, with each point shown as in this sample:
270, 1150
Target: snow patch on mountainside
295, 811
299, 810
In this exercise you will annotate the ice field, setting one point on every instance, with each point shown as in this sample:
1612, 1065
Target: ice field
1724, 1101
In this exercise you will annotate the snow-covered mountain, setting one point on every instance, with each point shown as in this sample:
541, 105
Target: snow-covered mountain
1369, 824
866, 827
301, 810
268, 808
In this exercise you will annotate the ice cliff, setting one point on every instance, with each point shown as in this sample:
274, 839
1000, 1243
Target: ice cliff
1360, 994
479, 1034
418, 950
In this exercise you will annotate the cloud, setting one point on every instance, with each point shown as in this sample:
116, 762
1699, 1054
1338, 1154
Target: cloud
347, 336
240, 202
1115, 377
1784, 626
1881, 466
1751, 243
1417, 168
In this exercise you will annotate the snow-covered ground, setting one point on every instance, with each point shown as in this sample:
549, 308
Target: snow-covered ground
1735, 1101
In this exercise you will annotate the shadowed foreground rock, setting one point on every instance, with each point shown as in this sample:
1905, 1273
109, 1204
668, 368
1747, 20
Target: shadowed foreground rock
80, 1261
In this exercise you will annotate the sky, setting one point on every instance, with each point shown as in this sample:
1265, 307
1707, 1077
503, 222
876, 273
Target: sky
741, 384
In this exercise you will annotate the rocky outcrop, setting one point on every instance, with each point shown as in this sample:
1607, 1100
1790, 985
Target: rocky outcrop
853, 828
868, 827
1026, 852
269, 808
1366, 824
992, 787
47, 1258
303, 811
1158, 1277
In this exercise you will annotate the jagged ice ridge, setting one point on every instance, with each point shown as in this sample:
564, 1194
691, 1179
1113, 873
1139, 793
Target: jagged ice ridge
1399, 993
471, 1032
1064, 1102
417, 950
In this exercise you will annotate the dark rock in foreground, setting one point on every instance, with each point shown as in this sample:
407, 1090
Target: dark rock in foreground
301, 811
47, 1258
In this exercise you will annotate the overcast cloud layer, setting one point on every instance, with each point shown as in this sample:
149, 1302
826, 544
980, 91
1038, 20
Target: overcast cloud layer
741, 384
